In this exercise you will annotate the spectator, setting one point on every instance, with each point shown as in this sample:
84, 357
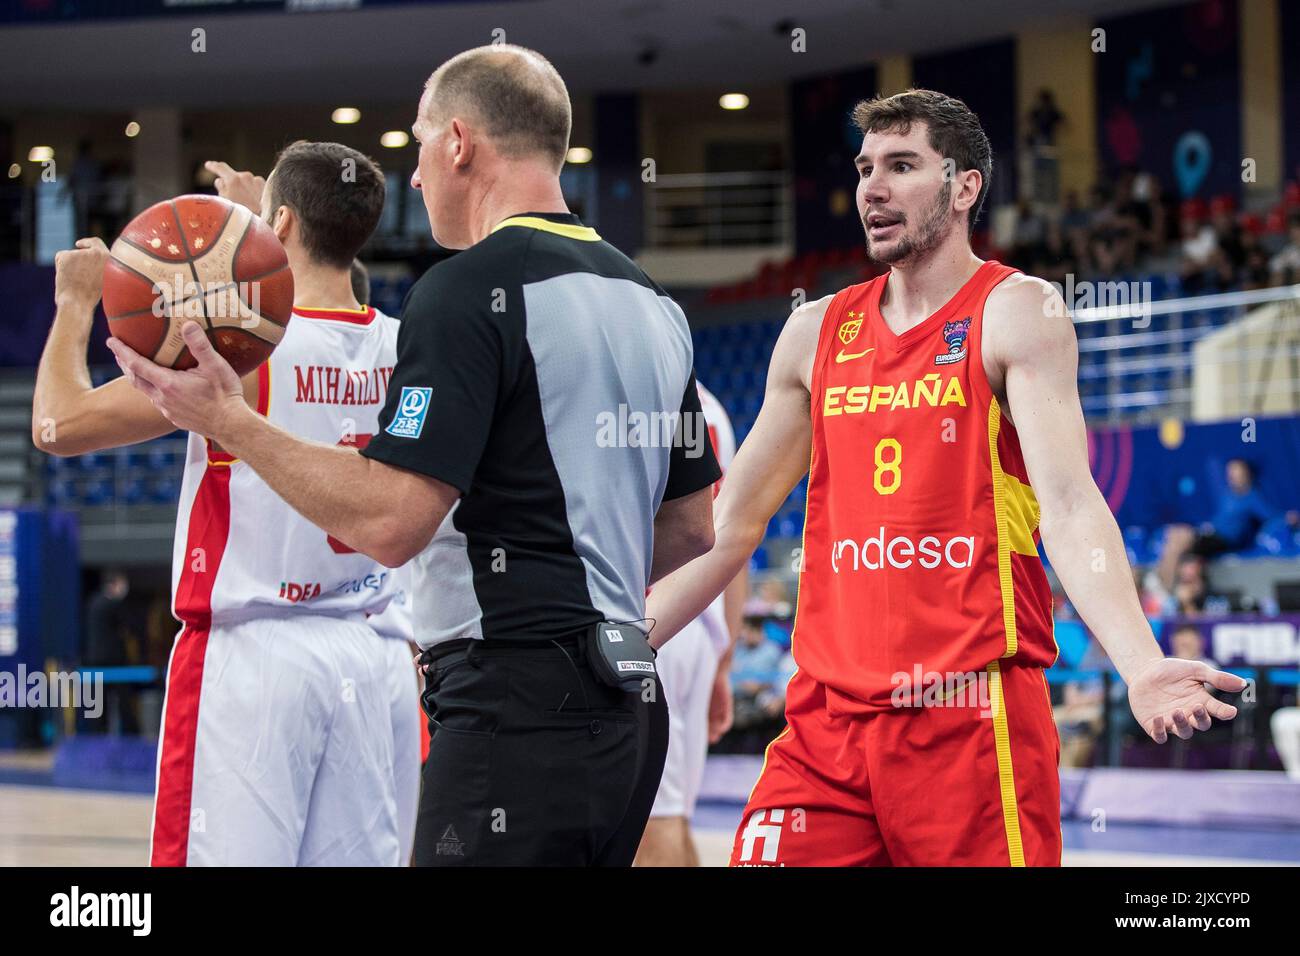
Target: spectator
109, 643
1254, 271
1285, 725
1079, 719
1241, 514
105, 640
772, 600
1228, 237
1285, 266
1030, 231
1199, 252
84, 182
1188, 643
1190, 595
756, 676
1075, 219
1043, 121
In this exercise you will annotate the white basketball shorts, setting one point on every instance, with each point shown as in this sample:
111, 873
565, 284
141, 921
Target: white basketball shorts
687, 665
277, 747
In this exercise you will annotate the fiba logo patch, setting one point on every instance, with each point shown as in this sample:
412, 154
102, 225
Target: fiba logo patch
412, 407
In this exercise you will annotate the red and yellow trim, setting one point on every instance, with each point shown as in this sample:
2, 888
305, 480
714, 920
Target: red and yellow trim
1016, 512
1006, 772
362, 316
264, 388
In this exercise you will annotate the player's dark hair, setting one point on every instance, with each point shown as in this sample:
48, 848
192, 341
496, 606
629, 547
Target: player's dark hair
337, 194
954, 131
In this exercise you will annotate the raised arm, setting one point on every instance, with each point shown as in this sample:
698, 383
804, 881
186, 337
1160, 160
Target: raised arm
1031, 352
768, 465
69, 415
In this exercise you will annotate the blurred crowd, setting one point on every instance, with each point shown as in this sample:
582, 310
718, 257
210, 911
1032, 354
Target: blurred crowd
1129, 226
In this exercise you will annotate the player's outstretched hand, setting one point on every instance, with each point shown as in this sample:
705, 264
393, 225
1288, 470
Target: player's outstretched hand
237, 185
79, 273
201, 399
1170, 694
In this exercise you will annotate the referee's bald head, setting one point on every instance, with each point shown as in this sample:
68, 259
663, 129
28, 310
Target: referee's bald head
511, 93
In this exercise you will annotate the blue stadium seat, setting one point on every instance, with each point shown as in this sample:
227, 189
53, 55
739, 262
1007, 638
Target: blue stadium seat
132, 492
789, 527
97, 492
165, 490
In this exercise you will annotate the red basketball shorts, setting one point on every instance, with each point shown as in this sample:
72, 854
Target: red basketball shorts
974, 784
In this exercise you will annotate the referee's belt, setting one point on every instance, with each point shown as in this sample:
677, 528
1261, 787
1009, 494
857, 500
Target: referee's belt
572, 643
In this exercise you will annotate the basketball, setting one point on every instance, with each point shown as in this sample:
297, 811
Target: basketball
203, 258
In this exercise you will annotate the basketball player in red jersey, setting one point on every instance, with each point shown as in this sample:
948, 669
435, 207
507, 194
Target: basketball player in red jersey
936, 412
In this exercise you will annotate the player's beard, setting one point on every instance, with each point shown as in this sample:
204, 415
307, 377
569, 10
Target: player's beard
927, 237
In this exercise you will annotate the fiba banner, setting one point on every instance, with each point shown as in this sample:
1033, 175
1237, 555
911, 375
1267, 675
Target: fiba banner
1243, 640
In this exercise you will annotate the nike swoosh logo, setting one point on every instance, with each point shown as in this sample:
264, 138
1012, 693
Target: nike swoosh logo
841, 357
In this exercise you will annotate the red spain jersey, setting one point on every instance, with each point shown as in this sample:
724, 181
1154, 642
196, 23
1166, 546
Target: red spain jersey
920, 548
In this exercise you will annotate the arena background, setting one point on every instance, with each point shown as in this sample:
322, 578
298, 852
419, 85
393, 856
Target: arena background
1147, 157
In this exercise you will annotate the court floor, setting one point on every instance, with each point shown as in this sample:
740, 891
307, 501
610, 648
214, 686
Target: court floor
48, 826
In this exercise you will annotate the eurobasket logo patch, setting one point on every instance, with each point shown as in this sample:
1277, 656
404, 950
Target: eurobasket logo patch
411, 409
954, 336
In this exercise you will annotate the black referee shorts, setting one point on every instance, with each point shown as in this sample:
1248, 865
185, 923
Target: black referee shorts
533, 761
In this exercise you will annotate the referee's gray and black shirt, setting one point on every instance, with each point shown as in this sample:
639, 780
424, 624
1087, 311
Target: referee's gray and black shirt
548, 379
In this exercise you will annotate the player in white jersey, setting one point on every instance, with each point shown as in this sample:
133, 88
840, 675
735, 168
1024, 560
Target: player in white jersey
694, 668
285, 709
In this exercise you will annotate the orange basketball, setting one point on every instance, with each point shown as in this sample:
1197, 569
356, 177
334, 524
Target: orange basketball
202, 258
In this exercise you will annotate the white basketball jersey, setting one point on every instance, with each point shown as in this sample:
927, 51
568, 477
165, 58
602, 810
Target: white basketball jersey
240, 550
724, 447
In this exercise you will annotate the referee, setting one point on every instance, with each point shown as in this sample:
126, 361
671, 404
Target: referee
540, 457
